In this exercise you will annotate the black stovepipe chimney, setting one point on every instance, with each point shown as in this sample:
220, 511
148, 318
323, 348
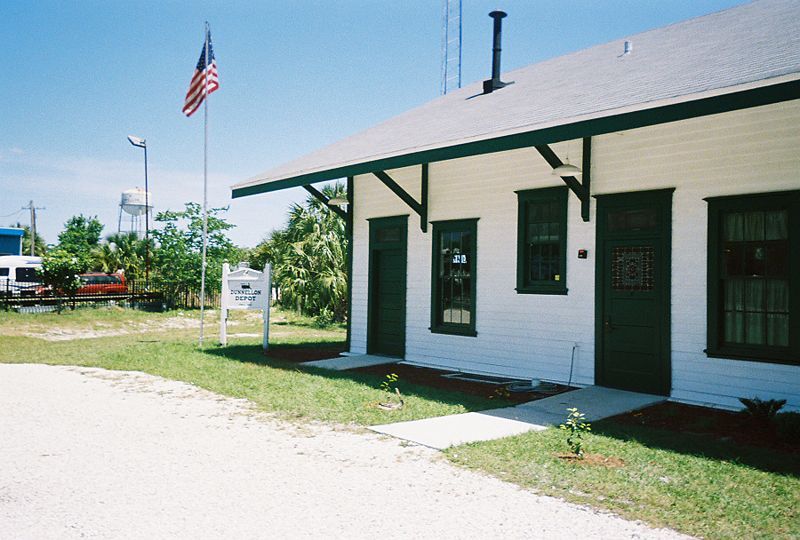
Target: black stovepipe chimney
494, 83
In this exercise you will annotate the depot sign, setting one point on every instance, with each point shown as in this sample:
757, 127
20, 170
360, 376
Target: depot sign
247, 295
245, 288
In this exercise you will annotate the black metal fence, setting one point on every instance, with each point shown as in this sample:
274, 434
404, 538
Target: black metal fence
155, 295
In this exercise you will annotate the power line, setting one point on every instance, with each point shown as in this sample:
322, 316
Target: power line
14, 214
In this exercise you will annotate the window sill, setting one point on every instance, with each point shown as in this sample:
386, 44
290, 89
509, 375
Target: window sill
538, 290
466, 332
766, 358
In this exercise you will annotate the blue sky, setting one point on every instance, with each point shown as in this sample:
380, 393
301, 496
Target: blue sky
294, 76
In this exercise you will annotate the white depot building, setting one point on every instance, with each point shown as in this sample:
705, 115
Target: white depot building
665, 259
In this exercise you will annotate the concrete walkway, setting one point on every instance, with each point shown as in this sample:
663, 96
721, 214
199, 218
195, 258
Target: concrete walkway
343, 363
595, 402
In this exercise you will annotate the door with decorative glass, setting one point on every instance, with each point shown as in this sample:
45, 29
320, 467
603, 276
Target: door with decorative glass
633, 289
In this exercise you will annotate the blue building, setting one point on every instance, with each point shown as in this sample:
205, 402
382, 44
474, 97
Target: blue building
11, 241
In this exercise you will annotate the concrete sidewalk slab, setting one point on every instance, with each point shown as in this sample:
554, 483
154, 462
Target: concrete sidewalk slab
445, 431
342, 363
596, 402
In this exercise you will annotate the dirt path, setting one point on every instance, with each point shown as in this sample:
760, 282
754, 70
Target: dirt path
101, 454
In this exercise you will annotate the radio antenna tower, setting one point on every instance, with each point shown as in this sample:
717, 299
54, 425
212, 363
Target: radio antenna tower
451, 45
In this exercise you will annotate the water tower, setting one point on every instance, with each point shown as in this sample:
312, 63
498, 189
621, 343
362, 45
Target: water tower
136, 203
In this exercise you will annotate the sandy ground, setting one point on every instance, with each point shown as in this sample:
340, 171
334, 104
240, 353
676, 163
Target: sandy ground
89, 453
97, 330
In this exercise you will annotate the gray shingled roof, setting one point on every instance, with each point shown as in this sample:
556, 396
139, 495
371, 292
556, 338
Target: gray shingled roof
753, 44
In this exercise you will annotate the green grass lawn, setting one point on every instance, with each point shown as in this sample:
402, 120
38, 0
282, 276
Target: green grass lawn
692, 483
166, 345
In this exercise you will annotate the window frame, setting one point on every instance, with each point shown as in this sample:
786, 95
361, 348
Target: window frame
560, 195
717, 207
471, 225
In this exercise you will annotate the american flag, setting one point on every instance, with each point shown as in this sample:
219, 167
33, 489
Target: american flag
205, 71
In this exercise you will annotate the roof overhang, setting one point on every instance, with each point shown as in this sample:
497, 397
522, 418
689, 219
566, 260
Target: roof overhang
723, 100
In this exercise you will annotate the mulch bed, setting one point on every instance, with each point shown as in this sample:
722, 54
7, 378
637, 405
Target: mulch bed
677, 417
414, 375
723, 425
433, 378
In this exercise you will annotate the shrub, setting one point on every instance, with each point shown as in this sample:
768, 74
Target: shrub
762, 411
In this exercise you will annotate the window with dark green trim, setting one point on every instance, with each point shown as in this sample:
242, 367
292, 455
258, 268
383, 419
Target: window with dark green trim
453, 277
542, 241
754, 277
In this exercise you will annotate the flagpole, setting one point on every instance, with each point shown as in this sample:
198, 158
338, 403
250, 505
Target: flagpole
205, 190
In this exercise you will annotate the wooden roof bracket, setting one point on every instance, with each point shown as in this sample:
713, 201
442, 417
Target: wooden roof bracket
421, 208
325, 200
582, 188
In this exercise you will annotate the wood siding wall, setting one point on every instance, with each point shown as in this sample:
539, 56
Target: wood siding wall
749, 151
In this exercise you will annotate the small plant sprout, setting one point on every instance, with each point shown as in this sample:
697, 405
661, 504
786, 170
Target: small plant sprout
390, 383
575, 426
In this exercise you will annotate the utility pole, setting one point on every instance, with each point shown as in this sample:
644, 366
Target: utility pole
33, 210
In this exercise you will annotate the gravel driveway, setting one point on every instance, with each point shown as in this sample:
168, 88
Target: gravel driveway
95, 453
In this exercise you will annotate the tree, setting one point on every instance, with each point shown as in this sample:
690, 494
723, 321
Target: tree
80, 237
60, 270
121, 251
40, 248
178, 251
309, 258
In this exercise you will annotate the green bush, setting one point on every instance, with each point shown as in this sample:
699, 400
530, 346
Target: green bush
762, 411
60, 270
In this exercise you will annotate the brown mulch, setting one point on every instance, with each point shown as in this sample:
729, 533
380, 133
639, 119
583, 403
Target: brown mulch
414, 375
723, 425
433, 378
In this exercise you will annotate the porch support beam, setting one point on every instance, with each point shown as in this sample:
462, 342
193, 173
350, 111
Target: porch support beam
325, 200
423, 217
579, 188
421, 209
586, 177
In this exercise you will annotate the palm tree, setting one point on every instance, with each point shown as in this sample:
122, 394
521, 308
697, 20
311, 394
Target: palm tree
121, 251
309, 258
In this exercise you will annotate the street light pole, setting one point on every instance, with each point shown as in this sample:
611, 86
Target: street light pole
146, 225
142, 143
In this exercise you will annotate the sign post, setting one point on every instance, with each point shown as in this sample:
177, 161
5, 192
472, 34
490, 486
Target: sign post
245, 288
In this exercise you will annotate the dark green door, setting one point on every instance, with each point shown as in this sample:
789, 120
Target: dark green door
387, 290
633, 329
